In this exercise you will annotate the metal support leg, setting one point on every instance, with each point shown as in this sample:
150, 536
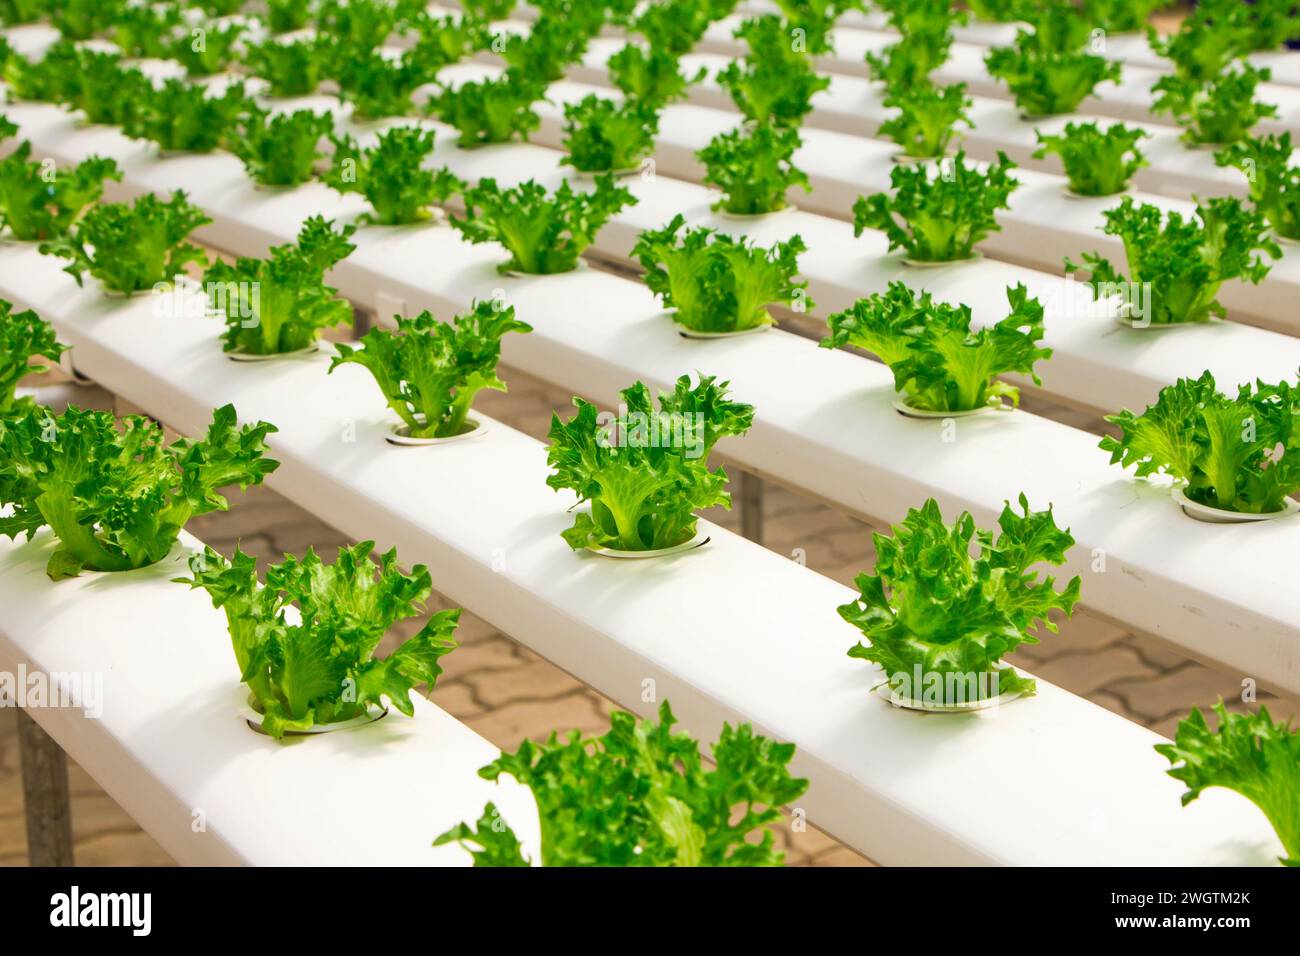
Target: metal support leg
45, 795
751, 507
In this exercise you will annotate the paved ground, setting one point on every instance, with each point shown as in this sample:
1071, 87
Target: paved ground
506, 693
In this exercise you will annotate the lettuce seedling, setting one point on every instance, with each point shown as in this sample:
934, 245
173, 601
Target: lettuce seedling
290, 68
998, 11
753, 168
1248, 754
640, 796
547, 50
717, 283
490, 110
1273, 182
940, 363
40, 201
1096, 163
1207, 41
1237, 454
441, 41
431, 371
104, 90
146, 30
14, 12
1221, 110
910, 17
927, 118
1176, 266
602, 135
83, 19
816, 18
359, 25
23, 337
1049, 71
1267, 24
544, 233
112, 493
652, 76
280, 149
46, 80
1122, 16
490, 9
207, 49
316, 665
645, 473
182, 117
911, 60
285, 16
945, 211
773, 84
132, 247
675, 26
391, 175
939, 620
280, 304
377, 85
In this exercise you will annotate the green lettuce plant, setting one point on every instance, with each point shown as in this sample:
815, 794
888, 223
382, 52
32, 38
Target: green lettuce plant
208, 48
646, 473
377, 85
1206, 42
753, 168
112, 493
940, 363
146, 30
181, 117
281, 303
1219, 111
23, 337
103, 89
15, 12
1096, 163
316, 665
939, 214
285, 16
544, 233
602, 135
40, 201
650, 75
547, 50
640, 796
718, 283
675, 26
1248, 754
1122, 16
1049, 70
290, 68
391, 175
490, 110
816, 19
132, 247
773, 84
83, 19
911, 17
1273, 182
1176, 266
1237, 453
927, 118
280, 149
938, 618
430, 371
44, 80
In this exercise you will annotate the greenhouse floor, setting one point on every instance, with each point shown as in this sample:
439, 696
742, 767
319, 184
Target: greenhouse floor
506, 693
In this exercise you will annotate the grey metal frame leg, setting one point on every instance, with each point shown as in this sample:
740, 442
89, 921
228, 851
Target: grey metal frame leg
751, 507
45, 795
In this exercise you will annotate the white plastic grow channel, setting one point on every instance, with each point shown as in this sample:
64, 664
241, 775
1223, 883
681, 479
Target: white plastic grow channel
171, 747
730, 631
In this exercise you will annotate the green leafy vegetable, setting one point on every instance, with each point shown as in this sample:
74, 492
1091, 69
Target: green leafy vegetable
602, 135
1049, 71
1207, 40
939, 363
321, 669
718, 283
490, 9
1248, 754
753, 168
652, 76
911, 17
490, 110
1176, 266
1237, 454
182, 117
40, 201
145, 30
23, 337
645, 473
431, 371
944, 211
639, 796
280, 149
14, 12
774, 84
545, 51
997, 11
132, 247
1274, 182
1096, 163
111, 492
1122, 16
378, 85
544, 233
391, 175
103, 89
279, 304
939, 620
43, 80
445, 40
1221, 110
83, 19
285, 16
911, 60
677, 25
816, 19
207, 48
927, 117
359, 25
290, 68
